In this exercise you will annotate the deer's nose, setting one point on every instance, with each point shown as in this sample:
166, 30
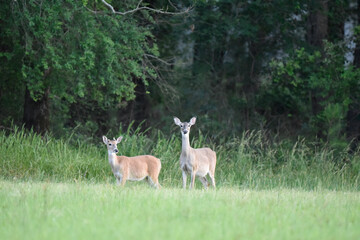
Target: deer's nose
185, 131
115, 150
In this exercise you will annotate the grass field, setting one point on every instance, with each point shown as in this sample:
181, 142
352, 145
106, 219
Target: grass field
64, 189
45, 210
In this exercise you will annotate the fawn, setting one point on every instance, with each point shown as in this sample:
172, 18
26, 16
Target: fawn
132, 168
196, 162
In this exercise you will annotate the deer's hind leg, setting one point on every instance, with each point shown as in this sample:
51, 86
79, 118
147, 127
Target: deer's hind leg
212, 177
153, 181
204, 181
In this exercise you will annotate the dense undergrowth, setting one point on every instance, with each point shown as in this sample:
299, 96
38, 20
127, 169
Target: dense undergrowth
249, 161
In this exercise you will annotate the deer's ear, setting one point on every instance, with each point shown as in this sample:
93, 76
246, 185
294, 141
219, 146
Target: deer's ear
118, 140
105, 140
192, 120
177, 121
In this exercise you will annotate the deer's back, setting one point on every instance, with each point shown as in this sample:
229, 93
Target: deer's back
205, 154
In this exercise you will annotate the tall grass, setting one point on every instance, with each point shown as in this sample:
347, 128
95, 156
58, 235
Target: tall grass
249, 161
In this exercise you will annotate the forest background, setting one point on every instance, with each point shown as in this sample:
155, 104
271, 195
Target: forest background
288, 68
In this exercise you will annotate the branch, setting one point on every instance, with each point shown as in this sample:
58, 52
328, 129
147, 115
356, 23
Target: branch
169, 91
159, 59
6, 128
138, 8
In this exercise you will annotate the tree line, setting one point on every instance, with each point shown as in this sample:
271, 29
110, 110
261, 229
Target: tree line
287, 67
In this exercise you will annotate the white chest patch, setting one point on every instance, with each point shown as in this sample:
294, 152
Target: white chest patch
112, 158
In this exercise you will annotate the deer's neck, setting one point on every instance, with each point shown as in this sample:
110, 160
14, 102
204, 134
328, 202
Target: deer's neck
185, 144
112, 158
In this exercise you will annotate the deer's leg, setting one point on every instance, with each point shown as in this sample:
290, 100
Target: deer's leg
184, 177
148, 180
118, 178
204, 181
154, 182
123, 179
212, 177
157, 184
192, 184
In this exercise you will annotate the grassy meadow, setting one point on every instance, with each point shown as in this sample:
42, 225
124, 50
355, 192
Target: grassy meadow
103, 211
64, 189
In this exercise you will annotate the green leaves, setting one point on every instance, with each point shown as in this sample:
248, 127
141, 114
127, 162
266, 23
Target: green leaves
90, 59
86, 48
320, 81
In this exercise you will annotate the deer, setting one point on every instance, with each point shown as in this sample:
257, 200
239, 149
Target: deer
195, 162
134, 168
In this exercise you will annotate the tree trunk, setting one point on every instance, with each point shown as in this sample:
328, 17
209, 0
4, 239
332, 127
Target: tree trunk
339, 14
36, 113
353, 115
317, 26
317, 31
357, 48
138, 109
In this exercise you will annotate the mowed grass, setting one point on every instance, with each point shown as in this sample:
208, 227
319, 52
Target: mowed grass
83, 210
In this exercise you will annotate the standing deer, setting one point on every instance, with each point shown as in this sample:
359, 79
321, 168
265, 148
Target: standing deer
196, 162
132, 168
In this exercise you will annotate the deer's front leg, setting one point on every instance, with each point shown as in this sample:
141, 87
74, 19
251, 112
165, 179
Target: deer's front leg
122, 181
123, 178
184, 177
117, 177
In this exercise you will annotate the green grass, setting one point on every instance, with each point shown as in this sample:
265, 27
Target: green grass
64, 189
83, 210
249, 161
